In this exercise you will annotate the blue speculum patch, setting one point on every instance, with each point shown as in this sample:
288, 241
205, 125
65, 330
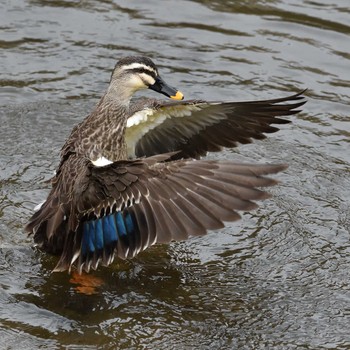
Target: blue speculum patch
105, 231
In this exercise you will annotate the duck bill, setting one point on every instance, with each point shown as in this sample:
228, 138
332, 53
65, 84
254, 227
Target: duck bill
163, 88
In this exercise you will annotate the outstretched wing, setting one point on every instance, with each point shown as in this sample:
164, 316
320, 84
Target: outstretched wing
196, 127
123, 208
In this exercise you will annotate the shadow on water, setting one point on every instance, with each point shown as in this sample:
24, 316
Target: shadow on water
278, 279
138, 298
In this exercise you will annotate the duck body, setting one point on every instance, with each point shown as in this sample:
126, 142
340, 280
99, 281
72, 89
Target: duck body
130, 174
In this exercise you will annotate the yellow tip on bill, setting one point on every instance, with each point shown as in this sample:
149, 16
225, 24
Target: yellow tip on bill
179, 96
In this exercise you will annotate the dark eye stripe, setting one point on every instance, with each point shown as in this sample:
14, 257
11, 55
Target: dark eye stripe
143, 70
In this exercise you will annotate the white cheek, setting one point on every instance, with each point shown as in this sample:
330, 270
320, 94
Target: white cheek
136, 83
147, 78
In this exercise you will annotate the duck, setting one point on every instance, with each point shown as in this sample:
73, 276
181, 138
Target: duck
133, 173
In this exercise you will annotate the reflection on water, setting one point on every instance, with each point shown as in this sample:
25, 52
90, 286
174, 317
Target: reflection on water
278, 279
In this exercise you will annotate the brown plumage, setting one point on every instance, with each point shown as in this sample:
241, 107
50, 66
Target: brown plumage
106, 200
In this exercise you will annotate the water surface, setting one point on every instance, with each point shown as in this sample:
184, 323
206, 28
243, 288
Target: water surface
279, 278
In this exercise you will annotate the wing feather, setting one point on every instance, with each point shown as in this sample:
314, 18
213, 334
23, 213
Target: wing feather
195, 127
127, 206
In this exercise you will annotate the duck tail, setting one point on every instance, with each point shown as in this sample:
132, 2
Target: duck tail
48, 225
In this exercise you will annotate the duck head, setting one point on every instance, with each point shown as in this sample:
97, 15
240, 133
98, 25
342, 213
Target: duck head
135, 73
